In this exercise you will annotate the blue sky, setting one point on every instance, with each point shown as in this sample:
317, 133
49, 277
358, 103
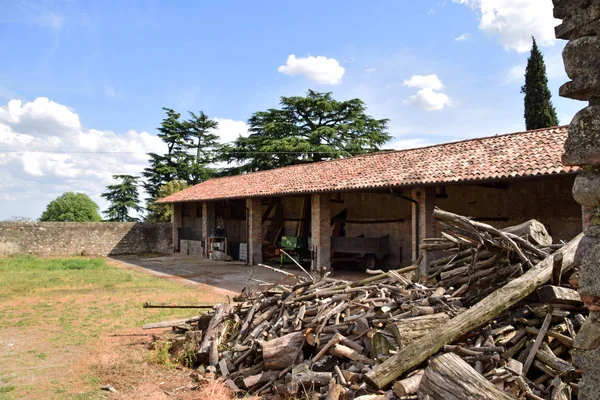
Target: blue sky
92, 77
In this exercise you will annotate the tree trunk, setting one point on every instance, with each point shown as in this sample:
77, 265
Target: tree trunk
532, 230
408, 330
486, 310
214, 332
448, 377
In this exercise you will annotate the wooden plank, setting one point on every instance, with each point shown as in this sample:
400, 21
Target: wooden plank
170, 323
556, 295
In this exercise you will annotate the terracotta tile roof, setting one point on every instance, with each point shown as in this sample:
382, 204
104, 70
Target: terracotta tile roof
514, 155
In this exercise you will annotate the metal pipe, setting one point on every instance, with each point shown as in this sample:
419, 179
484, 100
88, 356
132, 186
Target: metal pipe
416, 203
206, 305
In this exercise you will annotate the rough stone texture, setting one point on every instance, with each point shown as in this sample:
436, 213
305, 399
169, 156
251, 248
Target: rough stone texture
581, 26
586, 189
84, 238
255, 228
583, 144
586, 354
321, 231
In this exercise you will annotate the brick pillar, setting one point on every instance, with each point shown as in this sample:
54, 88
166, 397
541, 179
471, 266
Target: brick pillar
581, 56
321, 231
255, 227
208, 223
176, 222
422, 222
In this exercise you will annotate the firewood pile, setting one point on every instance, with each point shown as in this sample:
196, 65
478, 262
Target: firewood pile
387, 336
479, 258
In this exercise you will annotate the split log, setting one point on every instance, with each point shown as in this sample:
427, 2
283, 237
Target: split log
281, 352
532, 230
408, 386
486, 310
334, 391
408, 330
448, 377
557, 295
213, 334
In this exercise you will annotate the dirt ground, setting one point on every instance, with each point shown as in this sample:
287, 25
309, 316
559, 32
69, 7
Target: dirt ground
67, 342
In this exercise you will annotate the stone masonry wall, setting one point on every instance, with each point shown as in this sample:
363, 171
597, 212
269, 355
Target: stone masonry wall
84, 238
581, 27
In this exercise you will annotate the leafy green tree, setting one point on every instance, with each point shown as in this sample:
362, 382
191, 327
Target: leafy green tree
539, 111
162, 212
201, 138
191, 146
72, 207
123, 197
306, 129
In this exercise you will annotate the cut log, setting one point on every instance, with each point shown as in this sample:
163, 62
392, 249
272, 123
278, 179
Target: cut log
448, 377
408, 330
281, 352
556, 295
533, 230
260, 379
486, 310
305, 378
409, 385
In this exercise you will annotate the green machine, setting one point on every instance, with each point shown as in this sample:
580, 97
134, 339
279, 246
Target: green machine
297, 247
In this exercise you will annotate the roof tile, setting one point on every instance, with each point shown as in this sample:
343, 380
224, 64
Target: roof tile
519, 154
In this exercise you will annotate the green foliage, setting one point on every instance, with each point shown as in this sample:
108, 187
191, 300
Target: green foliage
162, 212
123, 197
191, 147
160, 353
72, 207
306, 129
539, 111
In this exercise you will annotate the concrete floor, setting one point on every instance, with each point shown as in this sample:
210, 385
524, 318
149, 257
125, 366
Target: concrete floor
231, 277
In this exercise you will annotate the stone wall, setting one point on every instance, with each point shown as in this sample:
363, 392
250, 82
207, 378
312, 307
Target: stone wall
84, 238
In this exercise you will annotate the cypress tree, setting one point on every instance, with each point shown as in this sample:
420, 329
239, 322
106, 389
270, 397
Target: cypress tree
539, 111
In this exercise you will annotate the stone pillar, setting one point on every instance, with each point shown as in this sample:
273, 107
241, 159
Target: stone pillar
176, 209
422, 221
320, 220
208, 223
255, 228
581, 56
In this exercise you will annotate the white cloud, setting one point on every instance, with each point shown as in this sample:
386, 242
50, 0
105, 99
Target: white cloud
370, 70
47, 152
229, 129
513, 22
429, 100
428, 97
462, 37
323, 70
409, 143
424, 82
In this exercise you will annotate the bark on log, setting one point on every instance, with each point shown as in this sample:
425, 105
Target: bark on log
260, 379
487, 309
281, 352
532, 230
554, 295
305, 378
448, 377
408, 330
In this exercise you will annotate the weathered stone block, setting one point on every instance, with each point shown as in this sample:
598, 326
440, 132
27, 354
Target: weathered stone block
586, 354
580, 18
589, 281
582, 58
582, 147
586, 189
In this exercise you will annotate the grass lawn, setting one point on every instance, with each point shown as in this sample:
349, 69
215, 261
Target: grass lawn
68, 326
